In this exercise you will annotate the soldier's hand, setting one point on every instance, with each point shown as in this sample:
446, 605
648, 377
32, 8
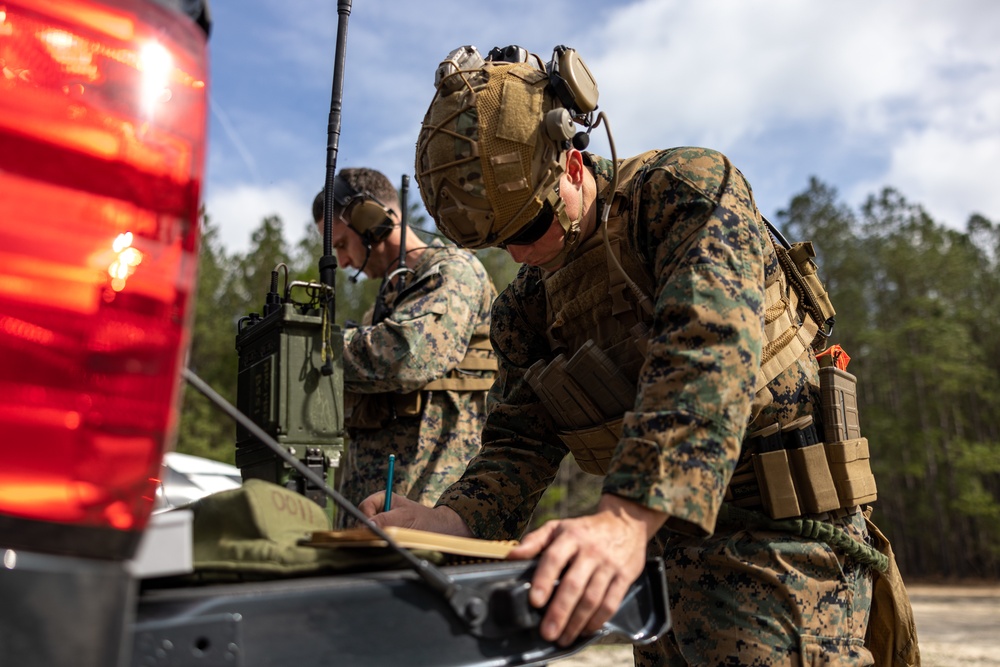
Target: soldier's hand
407, 513
595, 558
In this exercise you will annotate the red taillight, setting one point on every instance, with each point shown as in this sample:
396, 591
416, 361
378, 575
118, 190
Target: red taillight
102, 131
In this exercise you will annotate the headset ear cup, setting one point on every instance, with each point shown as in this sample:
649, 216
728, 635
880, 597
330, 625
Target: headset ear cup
572, 81
558, 124
371, 220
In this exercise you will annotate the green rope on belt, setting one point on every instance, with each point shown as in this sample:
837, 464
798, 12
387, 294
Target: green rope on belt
822, 531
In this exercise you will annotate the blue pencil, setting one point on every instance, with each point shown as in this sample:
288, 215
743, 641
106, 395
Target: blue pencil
388, 484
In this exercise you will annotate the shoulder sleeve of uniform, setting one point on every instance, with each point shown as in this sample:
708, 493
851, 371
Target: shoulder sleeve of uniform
674, 195
704, 170
694, 219
428, 332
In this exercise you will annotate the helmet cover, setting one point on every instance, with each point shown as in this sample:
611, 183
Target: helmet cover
485, 164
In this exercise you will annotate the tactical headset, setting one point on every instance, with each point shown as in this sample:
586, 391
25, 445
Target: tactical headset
571, 82
362, 211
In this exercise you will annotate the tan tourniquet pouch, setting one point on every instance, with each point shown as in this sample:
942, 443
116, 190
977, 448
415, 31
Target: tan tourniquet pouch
892, 632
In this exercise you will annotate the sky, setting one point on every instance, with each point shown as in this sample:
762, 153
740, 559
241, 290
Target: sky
861, 94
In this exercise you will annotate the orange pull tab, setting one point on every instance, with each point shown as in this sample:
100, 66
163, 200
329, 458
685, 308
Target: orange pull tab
834, 356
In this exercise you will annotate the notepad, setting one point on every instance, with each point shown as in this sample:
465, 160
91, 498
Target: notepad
411, 538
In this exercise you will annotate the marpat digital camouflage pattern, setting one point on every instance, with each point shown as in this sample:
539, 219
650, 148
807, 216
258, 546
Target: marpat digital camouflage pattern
426, 335
738, 595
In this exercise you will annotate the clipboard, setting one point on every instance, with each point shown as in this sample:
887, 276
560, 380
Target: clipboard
411, 538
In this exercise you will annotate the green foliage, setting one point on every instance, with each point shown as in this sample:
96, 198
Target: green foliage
499, 265
916, 303
573, 493
213, 355
230, 287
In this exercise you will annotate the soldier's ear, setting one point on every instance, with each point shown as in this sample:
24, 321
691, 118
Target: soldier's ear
574, 166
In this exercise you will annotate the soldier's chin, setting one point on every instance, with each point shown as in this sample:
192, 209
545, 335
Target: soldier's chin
553, 264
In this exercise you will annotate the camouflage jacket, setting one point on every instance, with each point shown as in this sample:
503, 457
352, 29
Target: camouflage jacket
692, 223
432, 434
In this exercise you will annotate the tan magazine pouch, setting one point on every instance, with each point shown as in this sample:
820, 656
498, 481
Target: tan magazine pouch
374, 411
814, 480
408, 405
850, 464
777, 484
593, 447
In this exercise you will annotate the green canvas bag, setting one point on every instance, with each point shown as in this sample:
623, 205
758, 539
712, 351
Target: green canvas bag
256, 530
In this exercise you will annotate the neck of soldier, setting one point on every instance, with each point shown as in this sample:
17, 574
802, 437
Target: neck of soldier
588, 195
387, 252
579, 197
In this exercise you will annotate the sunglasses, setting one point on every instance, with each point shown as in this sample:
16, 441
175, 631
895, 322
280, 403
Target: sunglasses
535, 228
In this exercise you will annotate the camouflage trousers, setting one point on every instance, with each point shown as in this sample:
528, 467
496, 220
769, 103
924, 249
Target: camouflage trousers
757, 597
431, 449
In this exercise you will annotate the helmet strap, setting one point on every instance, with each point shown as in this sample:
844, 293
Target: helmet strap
571, 230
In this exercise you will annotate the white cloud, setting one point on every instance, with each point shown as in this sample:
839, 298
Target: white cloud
726, 69
880, 93
952, 173
859, 93
239, 209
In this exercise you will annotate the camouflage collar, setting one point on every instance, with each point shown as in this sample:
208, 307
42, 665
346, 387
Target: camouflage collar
603, 172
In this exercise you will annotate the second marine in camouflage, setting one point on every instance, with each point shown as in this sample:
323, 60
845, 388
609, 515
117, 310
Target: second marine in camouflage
416, 380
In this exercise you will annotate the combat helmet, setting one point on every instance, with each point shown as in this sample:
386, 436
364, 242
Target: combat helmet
492, 145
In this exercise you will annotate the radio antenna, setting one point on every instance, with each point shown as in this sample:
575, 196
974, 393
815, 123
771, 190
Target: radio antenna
404, 191
328, 262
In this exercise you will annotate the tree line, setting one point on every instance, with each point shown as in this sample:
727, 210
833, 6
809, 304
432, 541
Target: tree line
916, 304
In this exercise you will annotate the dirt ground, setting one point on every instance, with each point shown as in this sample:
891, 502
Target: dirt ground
957, 626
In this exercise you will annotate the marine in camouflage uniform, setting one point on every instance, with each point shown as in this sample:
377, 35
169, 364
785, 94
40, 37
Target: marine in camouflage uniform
738, 595
433, 433
695, 257
416, 380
